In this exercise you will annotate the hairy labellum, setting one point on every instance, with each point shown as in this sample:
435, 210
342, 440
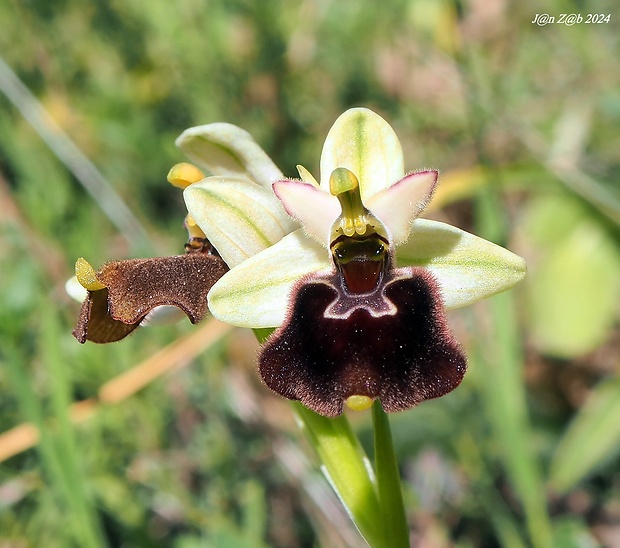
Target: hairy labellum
365, 330
129, 290
393, 344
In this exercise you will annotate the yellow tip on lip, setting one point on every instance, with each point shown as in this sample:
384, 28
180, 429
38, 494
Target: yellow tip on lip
87, 276
182, 175
358, 403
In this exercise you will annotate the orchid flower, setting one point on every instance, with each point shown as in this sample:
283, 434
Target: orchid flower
239, 214
358, 293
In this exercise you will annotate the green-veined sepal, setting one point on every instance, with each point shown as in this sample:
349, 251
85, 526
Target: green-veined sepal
239, 218
225, 149
468, 268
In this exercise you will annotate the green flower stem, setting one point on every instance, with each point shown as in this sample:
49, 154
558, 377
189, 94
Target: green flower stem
396, 530
347, 468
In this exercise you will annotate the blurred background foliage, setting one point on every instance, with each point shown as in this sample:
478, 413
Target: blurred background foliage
523, 122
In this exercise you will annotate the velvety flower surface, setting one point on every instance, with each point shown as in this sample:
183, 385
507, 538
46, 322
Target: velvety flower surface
358, 294
401, 358
121, 294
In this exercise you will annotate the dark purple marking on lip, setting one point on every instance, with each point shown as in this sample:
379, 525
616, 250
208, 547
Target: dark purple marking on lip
393, 343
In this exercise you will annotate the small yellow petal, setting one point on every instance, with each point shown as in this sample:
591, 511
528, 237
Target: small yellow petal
87, 276
193, 230
358, 403
182, 175
306, 176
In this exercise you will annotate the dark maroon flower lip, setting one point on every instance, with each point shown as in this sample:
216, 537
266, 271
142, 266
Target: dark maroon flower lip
402, 353
132, 288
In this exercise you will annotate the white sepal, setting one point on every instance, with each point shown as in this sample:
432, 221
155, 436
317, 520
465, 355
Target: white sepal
225, 149
256, 293
468, 268
366, 145
240, 218
75, 289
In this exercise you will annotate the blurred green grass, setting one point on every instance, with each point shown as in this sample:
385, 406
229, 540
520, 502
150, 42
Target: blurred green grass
522, 120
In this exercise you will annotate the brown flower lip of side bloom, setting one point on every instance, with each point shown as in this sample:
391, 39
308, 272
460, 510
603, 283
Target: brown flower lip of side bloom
122, 293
